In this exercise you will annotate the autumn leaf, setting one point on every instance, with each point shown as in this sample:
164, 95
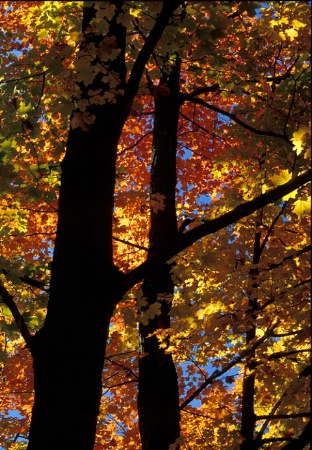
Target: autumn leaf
302, 207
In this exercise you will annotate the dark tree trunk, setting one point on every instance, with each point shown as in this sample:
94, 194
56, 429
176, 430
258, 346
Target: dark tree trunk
68, 352
158, 399
248, 420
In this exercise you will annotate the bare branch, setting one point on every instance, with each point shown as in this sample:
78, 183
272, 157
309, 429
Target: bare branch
27, 77
300, 252
219, 372
284, 416
123, 367
135, 144
235, 119
286, 354
8, 300
131, 244
271, 228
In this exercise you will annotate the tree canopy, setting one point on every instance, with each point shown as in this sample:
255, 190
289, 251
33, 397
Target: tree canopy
155, 225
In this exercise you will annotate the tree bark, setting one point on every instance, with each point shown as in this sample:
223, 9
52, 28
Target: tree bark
248, 420
68, 352
158, 398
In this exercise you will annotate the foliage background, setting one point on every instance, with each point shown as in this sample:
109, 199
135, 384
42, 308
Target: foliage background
260, 63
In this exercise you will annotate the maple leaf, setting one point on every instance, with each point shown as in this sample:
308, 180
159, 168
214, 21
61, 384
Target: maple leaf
299, 140
281, 178
302, 207
157, 202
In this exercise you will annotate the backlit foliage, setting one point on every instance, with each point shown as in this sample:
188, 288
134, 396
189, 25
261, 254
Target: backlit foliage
245, 135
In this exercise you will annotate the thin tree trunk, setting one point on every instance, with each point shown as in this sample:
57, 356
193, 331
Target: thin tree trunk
158, 399
248, 420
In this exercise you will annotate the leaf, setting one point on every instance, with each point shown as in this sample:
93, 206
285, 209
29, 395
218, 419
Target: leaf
134, 12
302, 207
298, 139
157, 202
83, 120
283, 177
291, 33
153, 310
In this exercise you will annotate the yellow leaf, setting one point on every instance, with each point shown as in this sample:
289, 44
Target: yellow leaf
297, 24
213, 308
291, 33
298, 139
291, 195
23, 108
281, 178
75, 37
43, 34
134, 12
302, 207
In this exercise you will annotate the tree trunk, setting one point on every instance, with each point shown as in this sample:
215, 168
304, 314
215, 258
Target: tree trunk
68, 352
158, 399
248, 420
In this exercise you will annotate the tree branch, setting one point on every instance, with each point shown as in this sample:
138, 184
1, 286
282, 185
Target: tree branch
236, 360
203, 90
34, 283
301, 440
286, 354
147, 49
135, 144
243, 210
8, 300
27, 77
235, 119
185, 240
30, 281
271, 228
284, 416
131, 244
298, 253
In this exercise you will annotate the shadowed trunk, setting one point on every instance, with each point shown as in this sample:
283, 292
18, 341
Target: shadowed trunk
158, 399
248, 420
68, 352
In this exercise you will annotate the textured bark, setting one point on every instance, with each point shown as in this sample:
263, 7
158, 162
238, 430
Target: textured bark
158, 399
